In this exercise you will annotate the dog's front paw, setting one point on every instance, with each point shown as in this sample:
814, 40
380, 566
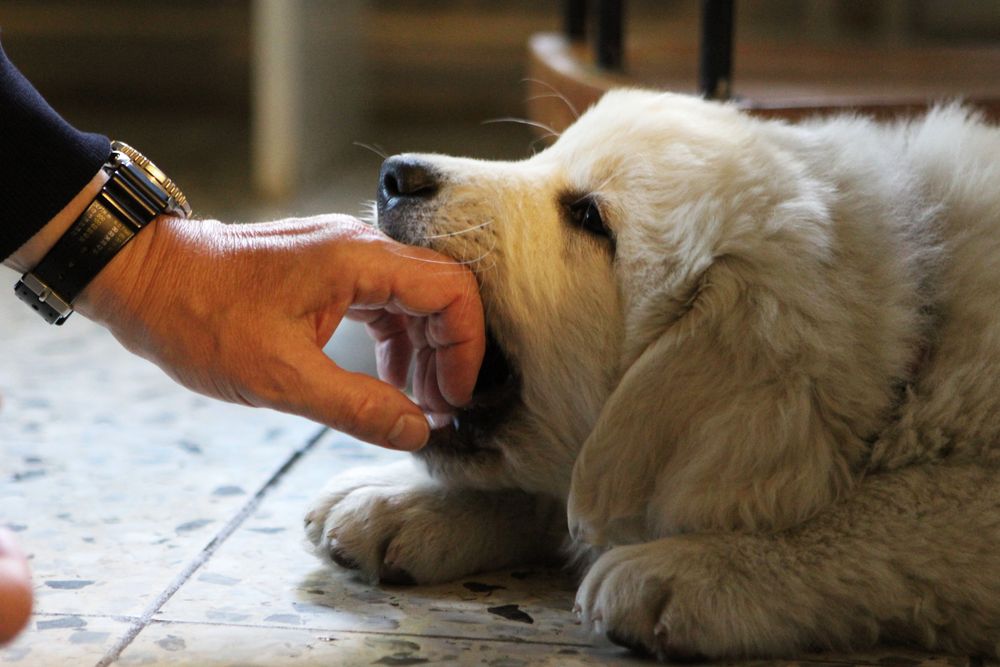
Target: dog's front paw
390, 533
684, 598
395, 525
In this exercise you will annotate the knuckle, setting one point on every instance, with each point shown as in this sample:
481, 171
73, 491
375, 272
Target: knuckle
365, 417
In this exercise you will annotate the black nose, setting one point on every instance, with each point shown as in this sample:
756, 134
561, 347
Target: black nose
407, 178
404, 183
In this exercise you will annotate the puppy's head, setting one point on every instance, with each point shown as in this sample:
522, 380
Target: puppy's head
566, 249
659, 294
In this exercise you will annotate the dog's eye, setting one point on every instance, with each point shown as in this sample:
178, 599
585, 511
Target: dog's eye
586, 215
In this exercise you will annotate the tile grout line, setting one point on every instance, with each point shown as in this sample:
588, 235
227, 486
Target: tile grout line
185, 574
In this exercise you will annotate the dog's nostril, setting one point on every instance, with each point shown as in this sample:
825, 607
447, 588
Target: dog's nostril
408, 177
390, 185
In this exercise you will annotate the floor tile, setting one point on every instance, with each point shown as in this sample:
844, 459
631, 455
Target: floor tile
64, 640
112, 476
891, 657
178, 643
264, 578
238, 646
263, 575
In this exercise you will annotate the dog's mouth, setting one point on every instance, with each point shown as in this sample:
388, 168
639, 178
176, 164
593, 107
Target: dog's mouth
496, 380
496, 393
497, 387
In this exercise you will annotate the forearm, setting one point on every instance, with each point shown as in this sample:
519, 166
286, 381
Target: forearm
44, 163
32, 251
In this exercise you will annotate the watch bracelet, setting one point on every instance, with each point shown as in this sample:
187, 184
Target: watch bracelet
127, 202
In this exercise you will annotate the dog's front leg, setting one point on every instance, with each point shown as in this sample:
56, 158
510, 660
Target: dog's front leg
913, 556
397, 525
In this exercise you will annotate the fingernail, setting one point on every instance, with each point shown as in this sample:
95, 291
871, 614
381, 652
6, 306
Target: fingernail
438, 420
410, 432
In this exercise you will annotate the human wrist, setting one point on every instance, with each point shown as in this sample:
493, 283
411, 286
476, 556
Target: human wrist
133, 194
34, 249
124, 284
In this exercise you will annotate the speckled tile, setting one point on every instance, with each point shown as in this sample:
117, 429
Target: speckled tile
892, 657
113, 476
176, 643
232, 646
263, 575
55, 639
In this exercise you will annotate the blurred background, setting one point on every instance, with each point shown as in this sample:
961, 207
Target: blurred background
270, 108
218, 91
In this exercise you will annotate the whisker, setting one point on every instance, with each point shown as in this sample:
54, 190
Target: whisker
464, 262
460, 231
558, 96
484, 255
374, 148
368, 212
522, 121
555, 93
472, 262
493, 258
597, 189
491, 267
534, 145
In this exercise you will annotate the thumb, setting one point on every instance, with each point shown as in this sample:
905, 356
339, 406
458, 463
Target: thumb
357, 404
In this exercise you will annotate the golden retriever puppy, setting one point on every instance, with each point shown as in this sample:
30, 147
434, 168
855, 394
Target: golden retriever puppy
756, 365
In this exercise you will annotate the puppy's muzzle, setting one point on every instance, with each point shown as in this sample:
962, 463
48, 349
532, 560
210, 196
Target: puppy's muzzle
406, 186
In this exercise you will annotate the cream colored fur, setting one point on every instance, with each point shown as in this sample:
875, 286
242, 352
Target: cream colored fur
771, 407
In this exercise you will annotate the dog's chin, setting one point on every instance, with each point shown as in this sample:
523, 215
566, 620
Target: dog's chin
471, 434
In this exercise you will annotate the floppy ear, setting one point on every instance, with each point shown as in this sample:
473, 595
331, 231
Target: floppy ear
717, 425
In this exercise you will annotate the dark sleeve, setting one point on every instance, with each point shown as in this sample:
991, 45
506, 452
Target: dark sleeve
44, 162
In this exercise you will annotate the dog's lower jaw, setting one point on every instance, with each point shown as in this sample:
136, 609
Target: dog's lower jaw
469, 450
455, 457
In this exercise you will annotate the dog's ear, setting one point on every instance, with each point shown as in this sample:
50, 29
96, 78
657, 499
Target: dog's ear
714, 426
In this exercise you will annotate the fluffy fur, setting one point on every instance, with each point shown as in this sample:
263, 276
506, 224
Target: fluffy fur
769, 399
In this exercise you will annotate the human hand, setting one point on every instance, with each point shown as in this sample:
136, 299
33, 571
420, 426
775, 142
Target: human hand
242, 312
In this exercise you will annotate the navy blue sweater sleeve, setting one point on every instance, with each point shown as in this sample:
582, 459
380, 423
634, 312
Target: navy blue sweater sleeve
44, 161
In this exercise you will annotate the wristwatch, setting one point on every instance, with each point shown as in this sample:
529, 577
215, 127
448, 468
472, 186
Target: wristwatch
135, 193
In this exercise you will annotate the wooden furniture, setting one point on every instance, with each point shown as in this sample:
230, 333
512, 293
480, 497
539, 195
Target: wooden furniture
775, 79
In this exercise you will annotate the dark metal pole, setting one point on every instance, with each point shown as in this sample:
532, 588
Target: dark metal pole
576, 20
609, 33
715, 77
